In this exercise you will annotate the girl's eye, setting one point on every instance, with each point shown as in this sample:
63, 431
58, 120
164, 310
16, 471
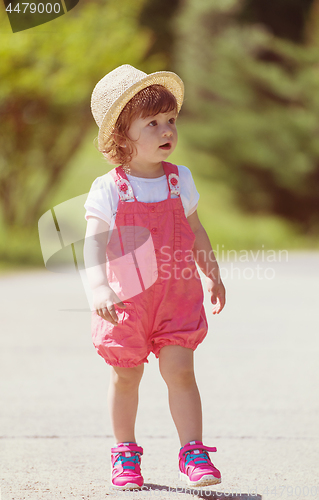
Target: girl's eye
172, 121
153, 123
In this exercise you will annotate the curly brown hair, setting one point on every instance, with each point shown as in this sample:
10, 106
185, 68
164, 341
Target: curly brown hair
147, 102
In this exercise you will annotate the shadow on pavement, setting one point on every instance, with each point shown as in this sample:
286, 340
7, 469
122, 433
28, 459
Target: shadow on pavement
202, 493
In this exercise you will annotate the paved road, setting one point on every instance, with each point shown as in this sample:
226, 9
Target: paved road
257, 370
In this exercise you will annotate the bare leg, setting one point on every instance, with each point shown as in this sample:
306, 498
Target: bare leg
123, 401
177, 369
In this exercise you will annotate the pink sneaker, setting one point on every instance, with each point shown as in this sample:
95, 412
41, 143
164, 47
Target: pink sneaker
126, 472
195, 465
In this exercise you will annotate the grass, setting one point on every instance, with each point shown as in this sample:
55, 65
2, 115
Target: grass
226, 225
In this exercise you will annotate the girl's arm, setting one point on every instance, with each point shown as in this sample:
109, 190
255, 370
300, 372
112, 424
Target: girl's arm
205, 258
95, 243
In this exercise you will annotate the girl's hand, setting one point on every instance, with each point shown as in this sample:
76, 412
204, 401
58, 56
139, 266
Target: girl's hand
103, 302
217, 293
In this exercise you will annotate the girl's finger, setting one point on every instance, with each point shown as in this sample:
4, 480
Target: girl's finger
104, 314
101, 313
121, 305
111, 311
217, 306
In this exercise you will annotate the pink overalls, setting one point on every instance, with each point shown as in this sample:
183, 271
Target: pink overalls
155, 277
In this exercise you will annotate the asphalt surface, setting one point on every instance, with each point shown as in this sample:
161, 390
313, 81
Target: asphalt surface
257, 371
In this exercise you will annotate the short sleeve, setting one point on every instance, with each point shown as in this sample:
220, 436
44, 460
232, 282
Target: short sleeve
101, 199
189, 193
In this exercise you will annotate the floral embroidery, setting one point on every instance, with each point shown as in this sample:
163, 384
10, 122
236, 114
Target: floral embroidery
124, 189
174, 184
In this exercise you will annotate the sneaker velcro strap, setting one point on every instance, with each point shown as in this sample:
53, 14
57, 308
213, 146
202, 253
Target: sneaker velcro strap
126, 461
197, 446
133, 448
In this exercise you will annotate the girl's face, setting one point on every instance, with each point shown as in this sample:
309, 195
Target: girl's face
155, 138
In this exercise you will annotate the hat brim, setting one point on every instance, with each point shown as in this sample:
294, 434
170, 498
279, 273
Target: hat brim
168, 79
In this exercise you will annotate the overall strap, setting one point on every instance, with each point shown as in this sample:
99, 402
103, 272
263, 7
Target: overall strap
171, 172
172, 177
125, 192
122, 183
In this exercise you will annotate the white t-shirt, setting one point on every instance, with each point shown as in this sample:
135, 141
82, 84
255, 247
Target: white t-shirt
103, 197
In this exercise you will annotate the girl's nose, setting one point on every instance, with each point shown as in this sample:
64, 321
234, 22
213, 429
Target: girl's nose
167, 133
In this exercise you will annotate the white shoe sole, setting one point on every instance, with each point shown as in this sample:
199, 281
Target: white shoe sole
127, 486
207, 480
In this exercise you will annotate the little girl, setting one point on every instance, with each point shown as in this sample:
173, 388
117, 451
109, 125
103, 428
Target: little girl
143, 238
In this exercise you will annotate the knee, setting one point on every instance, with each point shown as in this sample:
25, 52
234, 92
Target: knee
180, 375
127, 378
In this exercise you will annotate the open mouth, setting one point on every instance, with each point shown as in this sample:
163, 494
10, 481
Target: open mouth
167, 146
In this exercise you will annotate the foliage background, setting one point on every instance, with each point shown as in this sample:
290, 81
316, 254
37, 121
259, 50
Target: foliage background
254, 103
248, 128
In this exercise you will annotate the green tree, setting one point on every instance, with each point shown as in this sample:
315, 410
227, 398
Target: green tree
47, 75
253, 104
284, 18
159, 16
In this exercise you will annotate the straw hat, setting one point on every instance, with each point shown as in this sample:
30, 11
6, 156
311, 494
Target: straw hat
117, 88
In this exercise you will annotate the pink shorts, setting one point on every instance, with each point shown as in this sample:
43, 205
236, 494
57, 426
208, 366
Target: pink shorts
138, 332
